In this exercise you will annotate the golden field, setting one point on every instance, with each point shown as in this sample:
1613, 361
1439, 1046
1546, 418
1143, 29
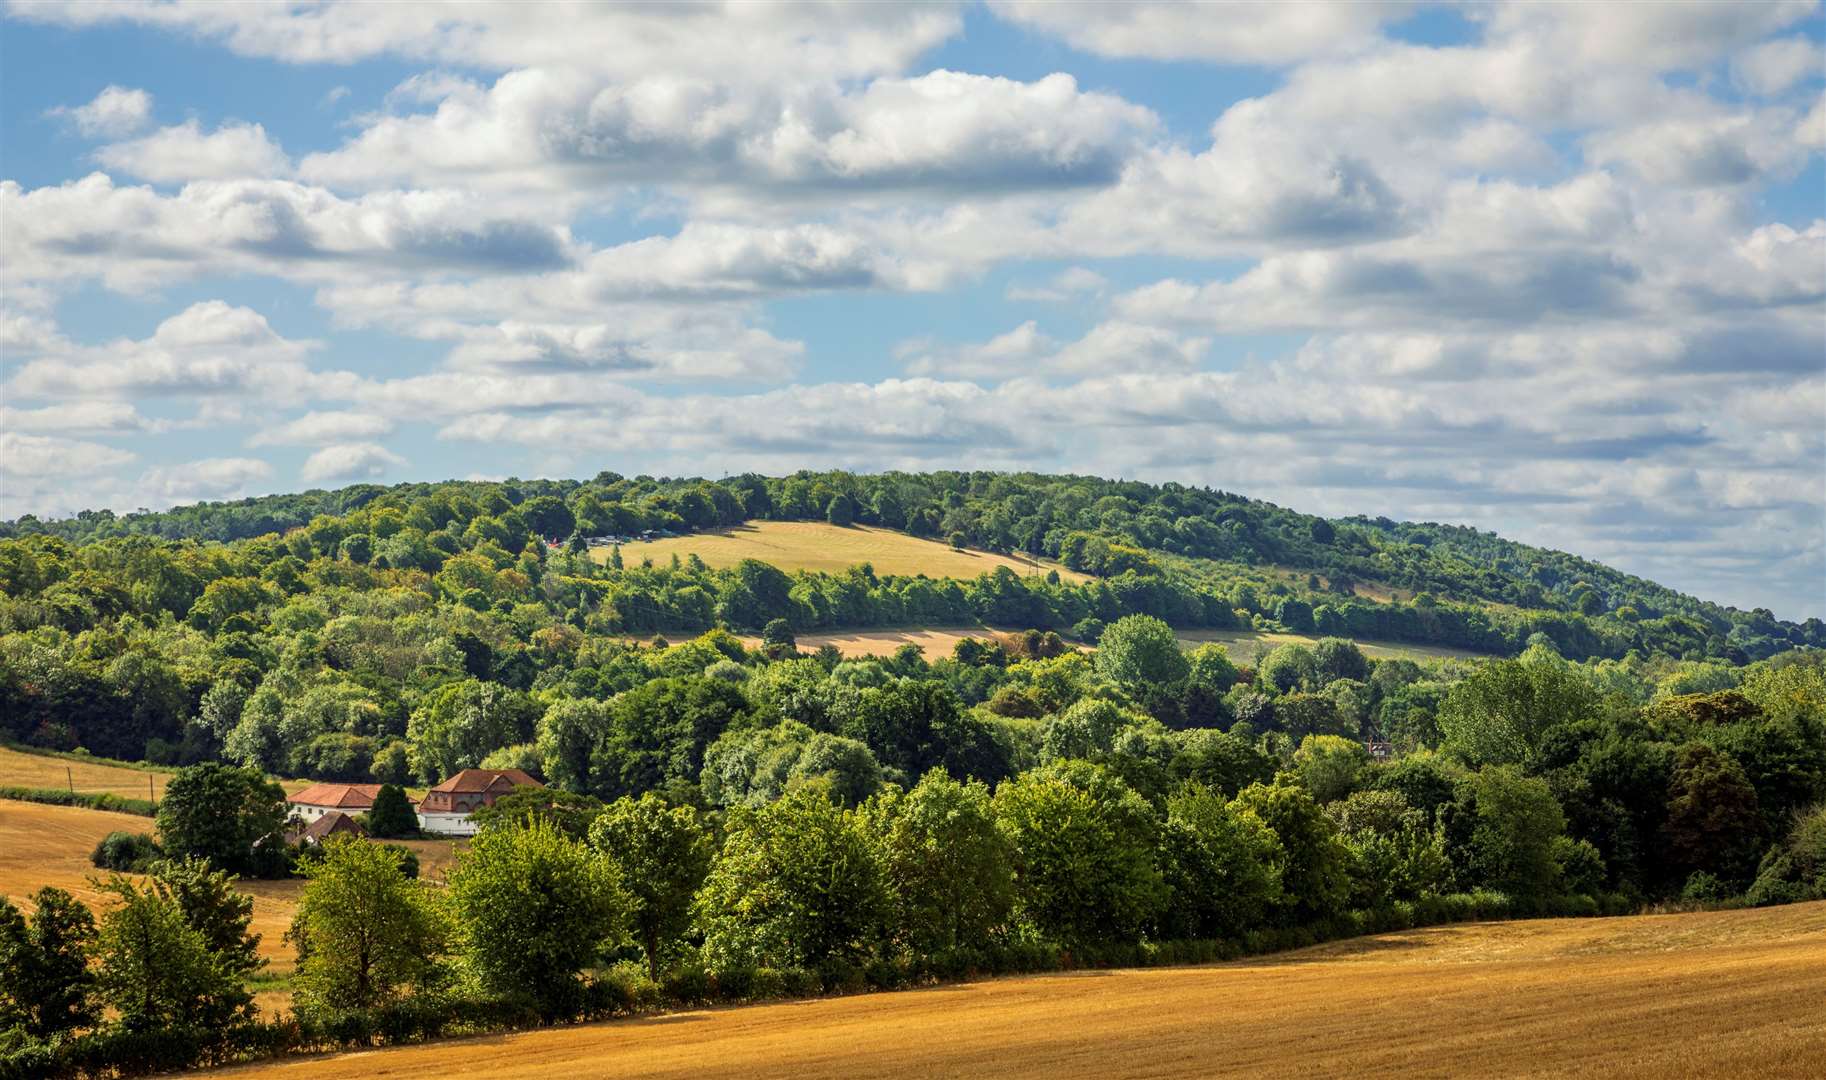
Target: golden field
815, 545
1713, 994
20, 769
1737, 993
49, 845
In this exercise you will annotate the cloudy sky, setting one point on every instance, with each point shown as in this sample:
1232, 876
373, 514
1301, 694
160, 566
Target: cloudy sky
1556, 271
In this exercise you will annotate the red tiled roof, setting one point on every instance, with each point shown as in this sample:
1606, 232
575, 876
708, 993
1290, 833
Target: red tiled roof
474, 780
333, 822
349, 796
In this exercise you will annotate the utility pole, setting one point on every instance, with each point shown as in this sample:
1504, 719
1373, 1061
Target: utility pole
71, 777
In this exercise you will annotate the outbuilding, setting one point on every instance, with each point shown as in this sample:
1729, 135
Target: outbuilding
445, 809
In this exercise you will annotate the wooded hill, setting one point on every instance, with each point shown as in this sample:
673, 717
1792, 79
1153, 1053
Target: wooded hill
1193, 556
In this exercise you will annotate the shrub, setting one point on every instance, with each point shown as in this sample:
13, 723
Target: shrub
1704, 887
688, 984
127, 852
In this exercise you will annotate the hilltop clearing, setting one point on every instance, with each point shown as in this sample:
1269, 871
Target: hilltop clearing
815, 545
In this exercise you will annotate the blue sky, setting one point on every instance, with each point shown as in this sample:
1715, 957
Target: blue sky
1552, 270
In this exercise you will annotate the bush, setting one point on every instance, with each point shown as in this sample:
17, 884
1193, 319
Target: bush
1703, 887
842, 977
733, 984
130, 853
623, 990
408, 860
686, 985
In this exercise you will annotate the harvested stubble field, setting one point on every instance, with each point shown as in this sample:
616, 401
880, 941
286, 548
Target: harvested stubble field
85, 777
1713, 994
50, 845
815, 545
22, 769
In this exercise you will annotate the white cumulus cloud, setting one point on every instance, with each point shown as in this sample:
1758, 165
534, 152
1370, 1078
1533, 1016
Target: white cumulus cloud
114, 112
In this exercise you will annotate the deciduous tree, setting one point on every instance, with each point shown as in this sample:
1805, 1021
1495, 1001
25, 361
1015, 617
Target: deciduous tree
663, 853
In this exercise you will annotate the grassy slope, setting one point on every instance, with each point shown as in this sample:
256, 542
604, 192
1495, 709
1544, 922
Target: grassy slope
812, 545
1707, 994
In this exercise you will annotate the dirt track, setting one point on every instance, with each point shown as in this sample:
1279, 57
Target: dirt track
1712, 994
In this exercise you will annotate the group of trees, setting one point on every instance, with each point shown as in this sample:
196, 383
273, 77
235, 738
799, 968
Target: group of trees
763, 818
171, 954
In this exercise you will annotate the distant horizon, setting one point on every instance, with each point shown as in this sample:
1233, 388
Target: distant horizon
1556, 272
1786, 615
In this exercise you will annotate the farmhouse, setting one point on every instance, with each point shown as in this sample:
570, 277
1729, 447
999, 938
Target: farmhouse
446, 808
320, 800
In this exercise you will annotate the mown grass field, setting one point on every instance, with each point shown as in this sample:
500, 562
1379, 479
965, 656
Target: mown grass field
1248, 646
814, 545
1713, 994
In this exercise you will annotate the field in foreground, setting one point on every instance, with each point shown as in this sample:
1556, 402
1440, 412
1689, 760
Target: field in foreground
1738, 993
815, 545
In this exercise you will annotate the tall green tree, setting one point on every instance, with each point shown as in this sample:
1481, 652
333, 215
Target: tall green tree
459, 723
1329, 765
365, 932
796, 884
1499, 714
1713, 821
533, 909
1398, 856
947, 866
46, 986
214, 908
663, 853
392, 814
157, 971
1140, 651
1222, 866
1315, 866
1084, 841
233, 818
1505, 824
